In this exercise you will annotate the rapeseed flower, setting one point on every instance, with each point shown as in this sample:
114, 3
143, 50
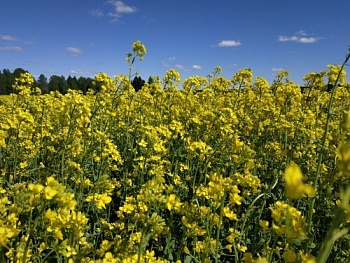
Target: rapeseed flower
100, 200
229, 214
50, 192
289, 255
173, 202
295, 188
288, 221
208, 148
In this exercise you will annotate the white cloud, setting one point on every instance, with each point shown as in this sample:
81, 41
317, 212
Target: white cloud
285, 38
8, 38
122, 8
307, 40
277, 69
299, 37
301, 33
229, 43
181, 67
80, 72
16, 49
119, 9
167, 62
115, 16
170, 63
73, 51
96, 12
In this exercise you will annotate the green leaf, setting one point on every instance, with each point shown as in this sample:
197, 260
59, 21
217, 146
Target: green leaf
188, 259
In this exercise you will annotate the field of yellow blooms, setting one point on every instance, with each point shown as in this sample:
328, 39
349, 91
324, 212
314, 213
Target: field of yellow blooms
218, 171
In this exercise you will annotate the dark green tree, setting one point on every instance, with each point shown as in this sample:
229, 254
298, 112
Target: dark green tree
58, 83
63, 85
137, 83
7, 79
18, 71
43, 84
82, 83
91, 84
72, 83
54, 83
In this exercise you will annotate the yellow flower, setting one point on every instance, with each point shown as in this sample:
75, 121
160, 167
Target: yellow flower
173, 202
229, 248
307, 258
35, 188
50, 192
289, 221
142, 143
229, 214
100, 200
264, 224
49, 214
295, 188
186, 250
57, 233
87, 183
135, 238
104, 246
261, 260
248, 257
104, 199
23, 165
289, 256
242, 248
42, 247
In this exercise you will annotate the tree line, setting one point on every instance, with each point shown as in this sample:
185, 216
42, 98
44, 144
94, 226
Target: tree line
56, 83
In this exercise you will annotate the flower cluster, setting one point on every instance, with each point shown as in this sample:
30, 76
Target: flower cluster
204, 172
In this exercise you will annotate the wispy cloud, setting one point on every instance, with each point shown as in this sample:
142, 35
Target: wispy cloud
181, 67
168, 62
299, 37
302, 33
228, 43
30, 42
171, 63
96, 12
8, 38
277, 69
16, 49
80, 72
197, 67
307, 40
120, 8
74, 51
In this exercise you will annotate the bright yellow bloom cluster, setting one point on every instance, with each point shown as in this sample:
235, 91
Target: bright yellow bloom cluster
170, 173
288, 221
333, 74
295, 187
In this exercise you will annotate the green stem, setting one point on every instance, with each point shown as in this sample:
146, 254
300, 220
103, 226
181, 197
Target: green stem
322, 150
218, 231
334, 233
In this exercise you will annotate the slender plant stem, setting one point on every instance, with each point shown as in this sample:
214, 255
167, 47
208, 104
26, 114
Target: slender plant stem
334, 233
322, 150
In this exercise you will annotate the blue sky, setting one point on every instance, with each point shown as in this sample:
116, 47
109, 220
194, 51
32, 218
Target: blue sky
84, 37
